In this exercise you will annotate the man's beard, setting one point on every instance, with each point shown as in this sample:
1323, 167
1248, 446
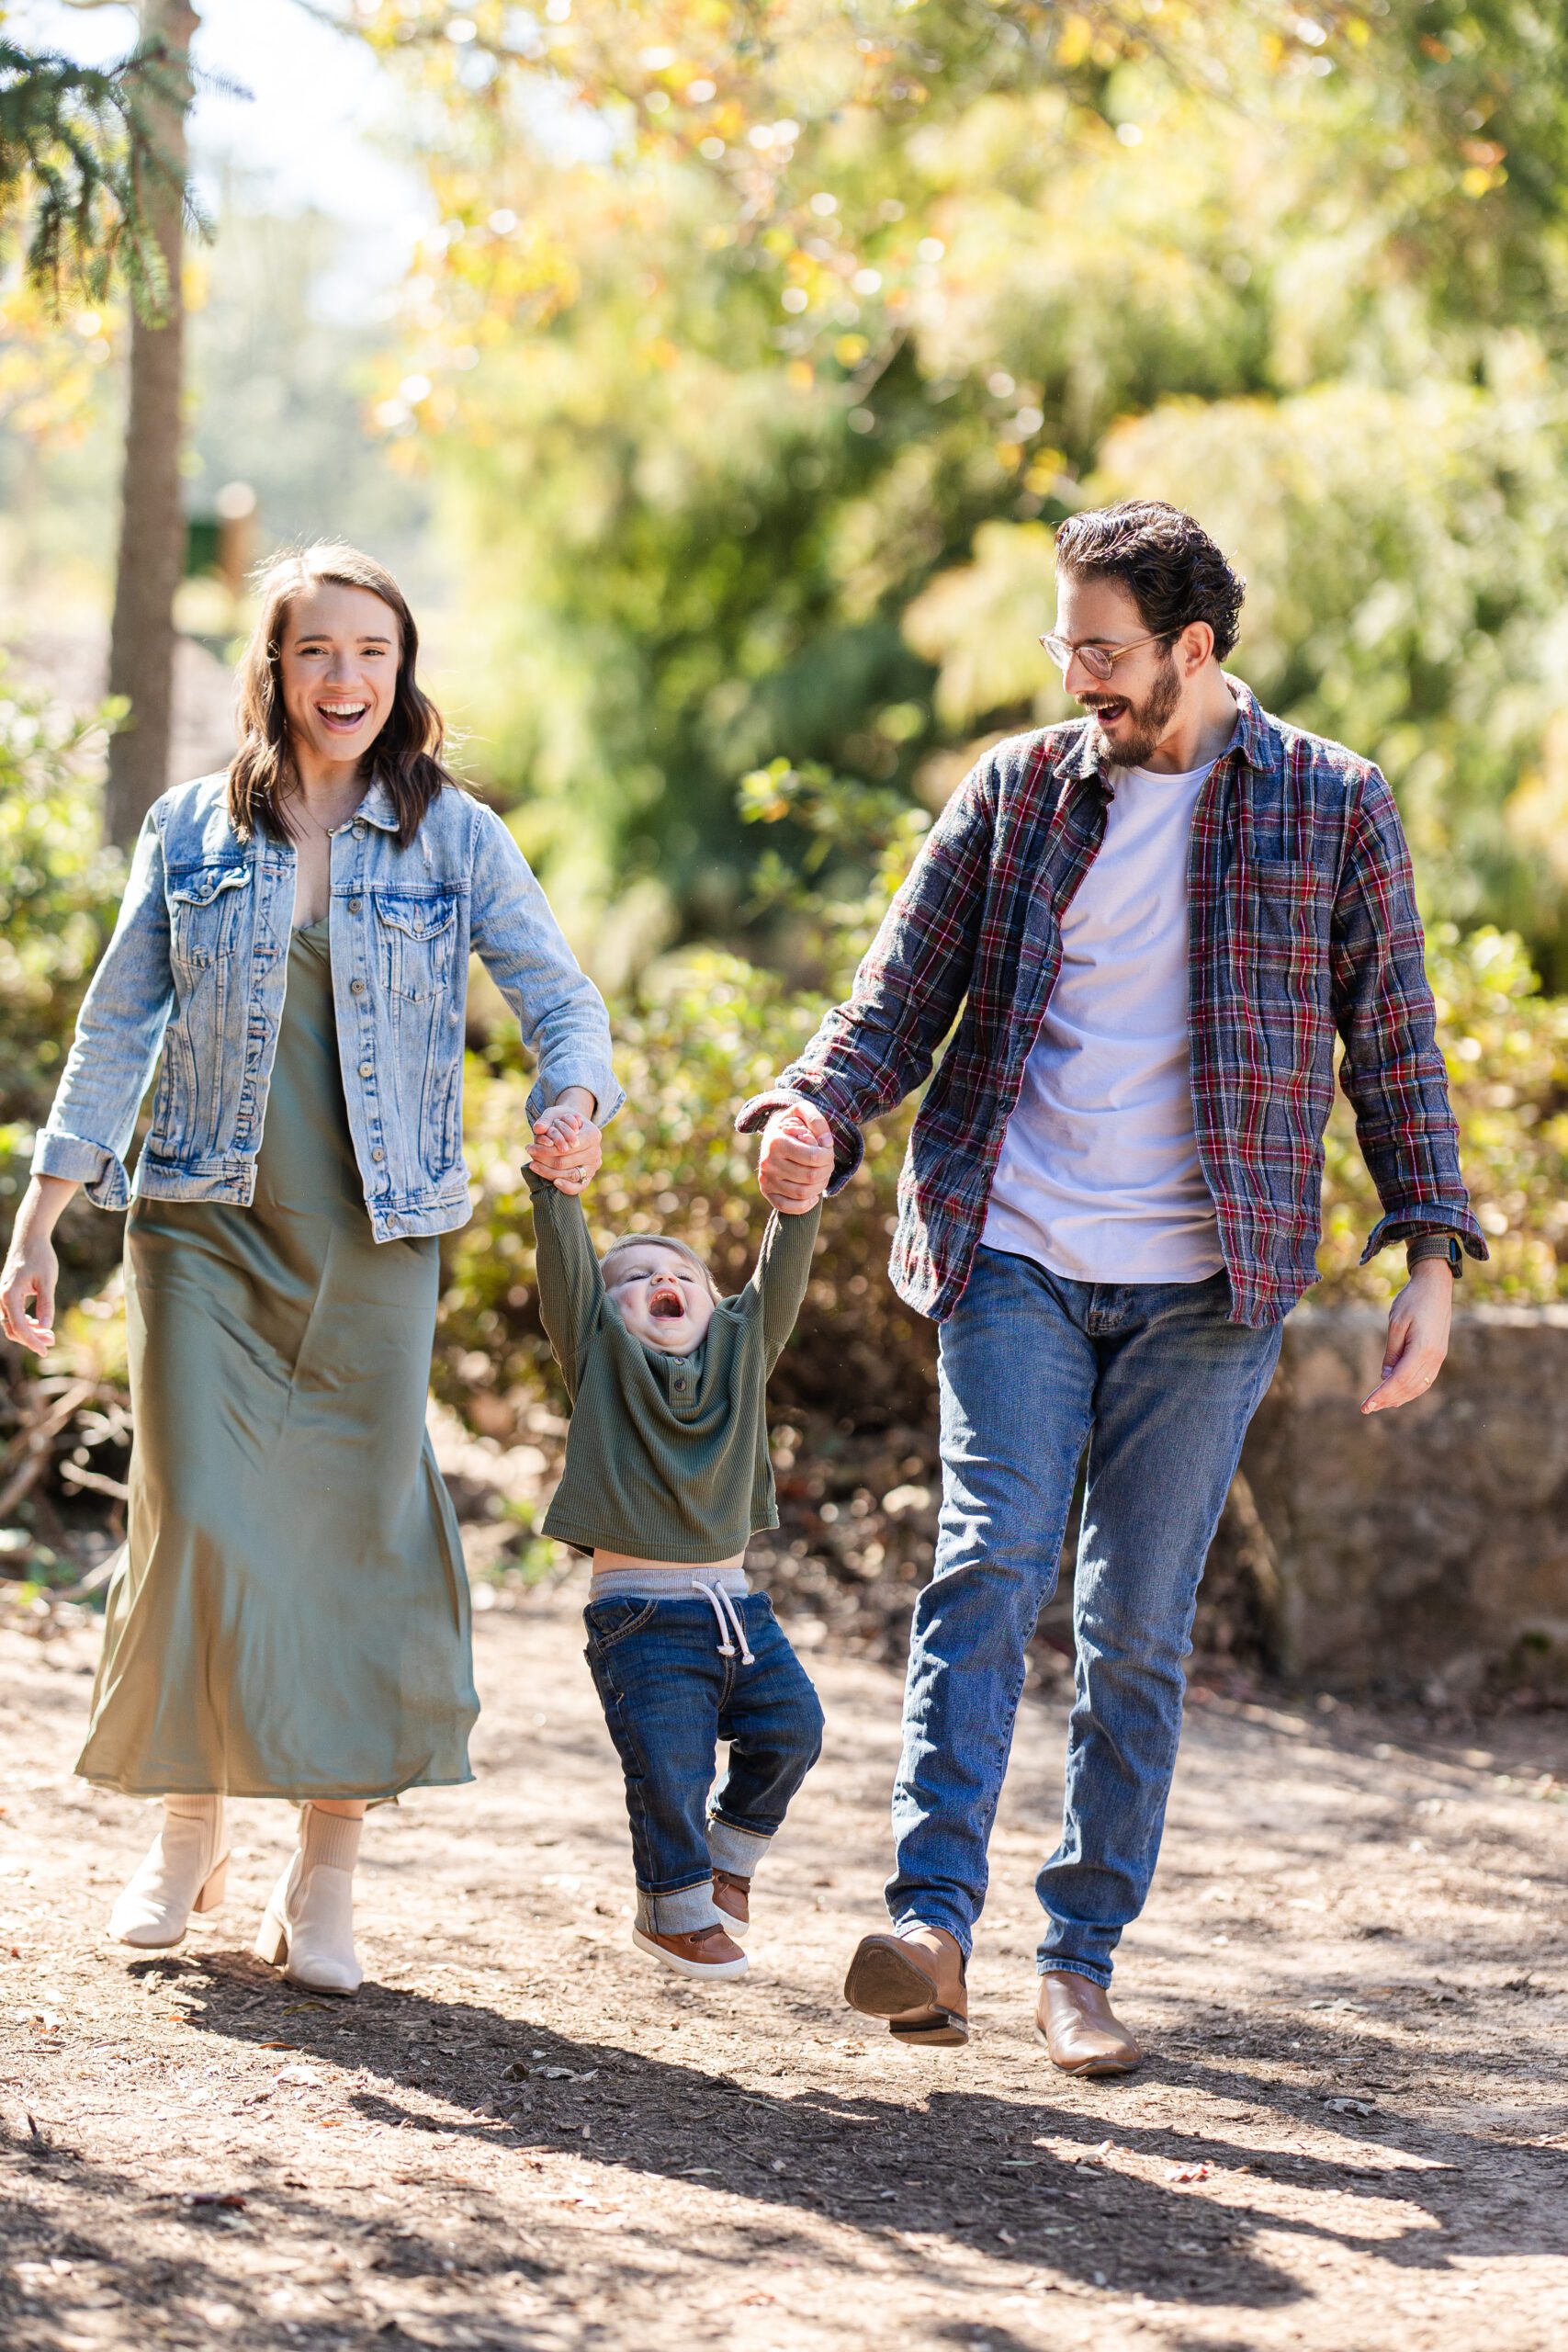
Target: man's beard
1138, 736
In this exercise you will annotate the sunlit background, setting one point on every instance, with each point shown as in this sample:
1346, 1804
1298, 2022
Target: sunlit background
715, 378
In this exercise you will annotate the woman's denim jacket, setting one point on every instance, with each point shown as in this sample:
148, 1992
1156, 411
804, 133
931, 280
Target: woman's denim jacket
198, 964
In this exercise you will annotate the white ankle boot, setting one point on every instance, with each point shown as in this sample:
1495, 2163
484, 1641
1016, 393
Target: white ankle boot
186, 1869
307, 1929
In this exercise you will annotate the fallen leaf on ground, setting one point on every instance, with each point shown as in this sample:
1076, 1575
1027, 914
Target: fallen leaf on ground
1189, 2171
305, 2076
1350, 2106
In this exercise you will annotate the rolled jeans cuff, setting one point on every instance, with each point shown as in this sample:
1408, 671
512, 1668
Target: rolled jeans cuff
1056, 1965
930, 1913
686, 1913
736, 1850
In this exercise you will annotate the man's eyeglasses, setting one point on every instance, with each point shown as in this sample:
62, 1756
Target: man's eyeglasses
1098, 659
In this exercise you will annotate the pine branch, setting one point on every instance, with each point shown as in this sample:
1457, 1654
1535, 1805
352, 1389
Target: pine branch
80, 164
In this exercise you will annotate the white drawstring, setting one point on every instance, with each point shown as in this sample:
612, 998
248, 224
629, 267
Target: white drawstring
729, 1618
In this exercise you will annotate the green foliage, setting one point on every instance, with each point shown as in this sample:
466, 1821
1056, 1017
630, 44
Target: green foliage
1506, 1049
753, 420
59, 894
1407, 563
822, 892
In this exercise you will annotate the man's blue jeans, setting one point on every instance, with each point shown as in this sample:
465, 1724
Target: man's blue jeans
1159, 1387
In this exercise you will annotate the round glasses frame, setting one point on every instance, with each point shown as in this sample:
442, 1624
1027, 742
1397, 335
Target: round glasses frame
1100, 660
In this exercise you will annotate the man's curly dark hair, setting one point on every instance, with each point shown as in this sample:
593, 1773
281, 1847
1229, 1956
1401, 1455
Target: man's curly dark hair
1167, 563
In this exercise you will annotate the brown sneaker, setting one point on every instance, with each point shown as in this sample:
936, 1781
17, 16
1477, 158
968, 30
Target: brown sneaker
706, 1952
1079, 2027
916, 1982
732, 1896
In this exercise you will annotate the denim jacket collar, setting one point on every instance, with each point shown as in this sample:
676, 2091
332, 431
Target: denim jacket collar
378, 807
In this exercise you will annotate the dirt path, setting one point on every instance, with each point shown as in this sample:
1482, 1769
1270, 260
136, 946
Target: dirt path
1353, 2132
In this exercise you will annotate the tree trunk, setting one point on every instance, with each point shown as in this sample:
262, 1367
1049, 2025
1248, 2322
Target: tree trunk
151, 531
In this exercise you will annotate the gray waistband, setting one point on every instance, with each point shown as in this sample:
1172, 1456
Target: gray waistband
663, 1583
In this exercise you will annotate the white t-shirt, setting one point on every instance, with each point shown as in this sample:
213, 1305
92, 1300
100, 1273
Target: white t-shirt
1098, 1177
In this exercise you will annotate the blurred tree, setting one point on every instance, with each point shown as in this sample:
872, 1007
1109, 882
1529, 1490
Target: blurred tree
760, 343
98, 156
152, 528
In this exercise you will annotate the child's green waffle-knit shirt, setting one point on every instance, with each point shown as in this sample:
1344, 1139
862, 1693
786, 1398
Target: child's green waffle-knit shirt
667, 1456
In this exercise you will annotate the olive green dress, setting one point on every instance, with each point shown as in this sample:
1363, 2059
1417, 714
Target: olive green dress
291, 1615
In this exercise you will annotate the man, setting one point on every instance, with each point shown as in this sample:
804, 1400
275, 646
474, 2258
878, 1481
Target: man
1147, 925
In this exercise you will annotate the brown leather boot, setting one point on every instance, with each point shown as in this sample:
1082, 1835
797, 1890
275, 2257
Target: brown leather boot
916, 1982
1079, 2027
732, 1896
708, 1951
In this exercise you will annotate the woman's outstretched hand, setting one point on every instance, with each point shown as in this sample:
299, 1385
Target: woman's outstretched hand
31, 1271
567, 1147
797, 1159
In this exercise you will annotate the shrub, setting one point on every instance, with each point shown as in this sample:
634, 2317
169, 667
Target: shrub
59, 890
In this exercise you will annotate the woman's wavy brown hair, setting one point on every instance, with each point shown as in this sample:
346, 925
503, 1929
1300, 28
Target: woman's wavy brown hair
406, 755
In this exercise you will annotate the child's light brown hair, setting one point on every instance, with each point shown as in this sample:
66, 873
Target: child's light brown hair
655, 1241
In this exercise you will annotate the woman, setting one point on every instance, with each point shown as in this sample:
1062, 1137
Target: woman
291, 1616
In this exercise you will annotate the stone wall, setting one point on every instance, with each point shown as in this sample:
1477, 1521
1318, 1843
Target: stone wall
1426, 1547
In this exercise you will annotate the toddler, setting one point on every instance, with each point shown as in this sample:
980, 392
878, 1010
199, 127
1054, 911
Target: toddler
667, 1476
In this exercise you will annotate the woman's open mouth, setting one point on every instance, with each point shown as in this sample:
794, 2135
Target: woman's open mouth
342, 718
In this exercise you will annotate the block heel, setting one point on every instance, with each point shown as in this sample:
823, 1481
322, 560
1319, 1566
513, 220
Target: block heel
217, 1886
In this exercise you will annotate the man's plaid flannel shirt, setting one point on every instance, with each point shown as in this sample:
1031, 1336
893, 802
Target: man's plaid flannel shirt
1302, 922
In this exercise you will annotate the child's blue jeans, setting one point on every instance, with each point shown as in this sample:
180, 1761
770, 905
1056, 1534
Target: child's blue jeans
669, 1695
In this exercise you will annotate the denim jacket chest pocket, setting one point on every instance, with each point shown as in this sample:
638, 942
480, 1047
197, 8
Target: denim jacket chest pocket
204, 907
416, 939
206, 934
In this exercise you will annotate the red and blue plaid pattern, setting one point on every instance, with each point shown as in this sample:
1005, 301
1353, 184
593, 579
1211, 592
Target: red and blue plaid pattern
1302, 924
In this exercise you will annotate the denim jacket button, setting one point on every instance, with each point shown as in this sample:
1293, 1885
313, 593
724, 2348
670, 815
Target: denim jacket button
367, 1069
359, 829
377, 1155
357, 906
357, 987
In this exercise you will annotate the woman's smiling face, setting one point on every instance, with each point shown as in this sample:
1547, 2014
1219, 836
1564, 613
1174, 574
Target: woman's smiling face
664, 1300
339, 666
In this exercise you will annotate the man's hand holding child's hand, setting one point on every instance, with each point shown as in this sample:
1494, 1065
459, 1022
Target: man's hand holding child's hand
567, 1147
797, 1159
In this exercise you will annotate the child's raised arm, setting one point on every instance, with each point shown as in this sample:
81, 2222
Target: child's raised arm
780, 1275
572, 1288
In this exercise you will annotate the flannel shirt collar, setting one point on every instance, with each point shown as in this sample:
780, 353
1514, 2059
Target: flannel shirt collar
1251, 741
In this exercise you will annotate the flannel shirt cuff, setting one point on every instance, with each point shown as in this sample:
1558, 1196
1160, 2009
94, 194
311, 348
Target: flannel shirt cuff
849, 1144
1404, 1225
